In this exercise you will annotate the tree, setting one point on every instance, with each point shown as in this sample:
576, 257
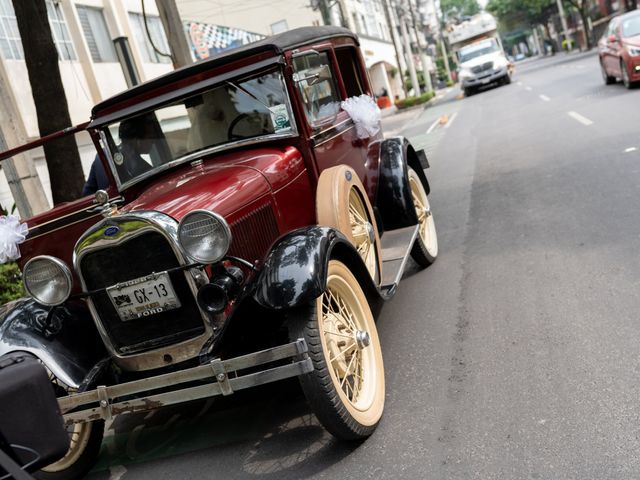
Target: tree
52, 110
462, 8
582, 6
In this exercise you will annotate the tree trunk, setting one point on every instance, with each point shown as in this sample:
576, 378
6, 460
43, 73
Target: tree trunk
41, 58
585, 26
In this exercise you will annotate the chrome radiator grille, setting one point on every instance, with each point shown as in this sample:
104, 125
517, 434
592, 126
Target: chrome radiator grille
135, 258
482, 68
254, 233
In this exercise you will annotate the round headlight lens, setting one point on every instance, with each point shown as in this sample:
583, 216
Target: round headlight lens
48, 280
204, 236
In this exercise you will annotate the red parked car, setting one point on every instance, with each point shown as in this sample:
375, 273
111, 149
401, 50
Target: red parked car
619, 50
254, 220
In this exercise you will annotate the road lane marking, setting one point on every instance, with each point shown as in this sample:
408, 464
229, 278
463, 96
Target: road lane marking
116, 472
580, 118
545, 98
630, 149
519, 84
451, 119
433, 125
528, 89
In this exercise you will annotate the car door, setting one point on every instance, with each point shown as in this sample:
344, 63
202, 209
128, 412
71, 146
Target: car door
333, 137
611, 57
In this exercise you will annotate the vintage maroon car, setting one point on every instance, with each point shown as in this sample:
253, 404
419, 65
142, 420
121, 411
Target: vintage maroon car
254, 219
619, 50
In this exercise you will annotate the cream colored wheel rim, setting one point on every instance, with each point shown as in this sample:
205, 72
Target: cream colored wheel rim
427, 229
79, 435
362, 231
351, 347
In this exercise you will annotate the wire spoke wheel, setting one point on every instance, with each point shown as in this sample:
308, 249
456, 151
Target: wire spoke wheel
346, 388
425, 249
362, 231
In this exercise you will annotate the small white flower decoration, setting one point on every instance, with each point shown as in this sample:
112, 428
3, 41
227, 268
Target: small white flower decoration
365, 114
12, 233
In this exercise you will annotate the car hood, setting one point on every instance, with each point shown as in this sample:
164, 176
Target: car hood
490, 57
632, 41
223, 184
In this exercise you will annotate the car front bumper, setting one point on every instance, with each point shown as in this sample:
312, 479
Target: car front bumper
485, 78
218, 377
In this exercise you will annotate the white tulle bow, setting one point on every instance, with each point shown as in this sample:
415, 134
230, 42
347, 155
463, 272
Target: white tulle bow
12, 233
365, 114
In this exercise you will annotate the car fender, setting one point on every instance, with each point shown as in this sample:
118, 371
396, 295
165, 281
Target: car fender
64, 341
295, 271
393, 199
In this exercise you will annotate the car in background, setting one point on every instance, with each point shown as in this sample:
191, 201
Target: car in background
619, 50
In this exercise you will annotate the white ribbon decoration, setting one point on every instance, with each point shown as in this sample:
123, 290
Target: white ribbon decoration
12, 233
365, 114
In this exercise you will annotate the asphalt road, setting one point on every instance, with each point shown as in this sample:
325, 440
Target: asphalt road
515, 355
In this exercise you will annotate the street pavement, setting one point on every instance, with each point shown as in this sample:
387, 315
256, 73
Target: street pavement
514, 356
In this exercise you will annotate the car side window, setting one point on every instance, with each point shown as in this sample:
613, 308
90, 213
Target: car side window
350, 71
317, 87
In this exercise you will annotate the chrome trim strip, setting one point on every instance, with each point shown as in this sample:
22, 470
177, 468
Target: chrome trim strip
324, 132
167, 227
333, 136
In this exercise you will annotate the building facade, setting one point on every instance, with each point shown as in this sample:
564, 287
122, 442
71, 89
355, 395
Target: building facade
83, 32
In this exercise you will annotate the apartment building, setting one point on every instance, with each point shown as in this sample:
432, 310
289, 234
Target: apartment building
83, 32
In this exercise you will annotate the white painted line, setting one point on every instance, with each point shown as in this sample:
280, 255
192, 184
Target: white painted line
519, 84
630, 149
580, 118
451, 119
545, 98
528, 89
116, 472
433, 125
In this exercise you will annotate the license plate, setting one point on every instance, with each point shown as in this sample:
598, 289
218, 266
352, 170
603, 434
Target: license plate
485, 81
144, 296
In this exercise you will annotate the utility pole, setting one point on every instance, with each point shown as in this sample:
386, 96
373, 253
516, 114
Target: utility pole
410, 64
20, 171
421, 51
565, 29
443, 47
172, 24
396, 42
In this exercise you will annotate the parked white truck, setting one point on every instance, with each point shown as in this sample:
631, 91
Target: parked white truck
479, 52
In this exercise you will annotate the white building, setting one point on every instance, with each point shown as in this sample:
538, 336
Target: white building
365, 17
83, 31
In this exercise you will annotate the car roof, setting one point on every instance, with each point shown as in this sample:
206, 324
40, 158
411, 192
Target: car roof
276, 44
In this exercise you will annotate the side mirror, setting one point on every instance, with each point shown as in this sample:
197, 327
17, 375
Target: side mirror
612, 39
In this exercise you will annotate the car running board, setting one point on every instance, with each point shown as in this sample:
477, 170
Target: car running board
396, 248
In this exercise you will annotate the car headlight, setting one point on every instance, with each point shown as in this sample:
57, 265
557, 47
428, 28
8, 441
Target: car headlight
500, 63
48, 280
633, 51
204, 236
465, 73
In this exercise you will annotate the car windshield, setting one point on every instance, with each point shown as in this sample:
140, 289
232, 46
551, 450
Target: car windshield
631, 27
474, 51
235, 110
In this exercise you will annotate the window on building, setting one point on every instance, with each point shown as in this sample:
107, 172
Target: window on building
350, 71
10, 43
363, 22
356, 23
315, 80
279, 27
156, 31
96, 34
60, 33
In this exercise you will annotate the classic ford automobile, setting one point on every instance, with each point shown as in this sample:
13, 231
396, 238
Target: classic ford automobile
252, 222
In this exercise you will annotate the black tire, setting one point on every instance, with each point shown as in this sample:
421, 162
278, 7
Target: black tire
468, 91
425, 249
506, 80
608, 79
344, 418
83, 464
626, 81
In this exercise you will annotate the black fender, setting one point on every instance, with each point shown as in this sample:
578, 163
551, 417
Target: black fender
393, 197
63, 339
295, 271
